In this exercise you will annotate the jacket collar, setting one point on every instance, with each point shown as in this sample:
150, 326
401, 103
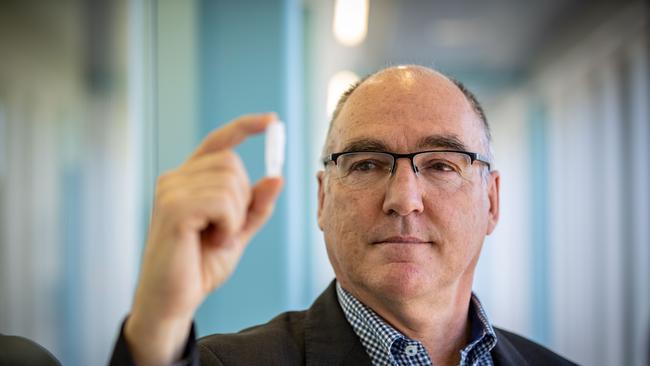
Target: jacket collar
505, 353
329, 338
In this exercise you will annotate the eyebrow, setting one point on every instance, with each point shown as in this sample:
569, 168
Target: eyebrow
450, 142
365, 144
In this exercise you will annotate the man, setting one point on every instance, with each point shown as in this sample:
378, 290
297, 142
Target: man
405, 200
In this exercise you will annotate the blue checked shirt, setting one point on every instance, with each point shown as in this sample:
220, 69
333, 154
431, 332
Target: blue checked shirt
387, 346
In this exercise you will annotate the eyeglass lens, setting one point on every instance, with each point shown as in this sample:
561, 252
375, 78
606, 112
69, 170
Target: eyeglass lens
445, 170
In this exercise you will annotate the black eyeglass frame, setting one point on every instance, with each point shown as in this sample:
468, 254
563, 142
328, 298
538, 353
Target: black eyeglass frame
473, 156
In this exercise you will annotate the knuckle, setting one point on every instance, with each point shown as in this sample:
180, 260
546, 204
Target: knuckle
226, 155
232, 156
168, 201
231, 160
232, 181
233, 212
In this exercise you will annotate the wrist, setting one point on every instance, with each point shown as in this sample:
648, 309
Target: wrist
156, 341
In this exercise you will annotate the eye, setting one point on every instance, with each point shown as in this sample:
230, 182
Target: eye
364, 166
440, 166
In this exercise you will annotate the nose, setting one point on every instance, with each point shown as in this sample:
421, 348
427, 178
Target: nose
403, 194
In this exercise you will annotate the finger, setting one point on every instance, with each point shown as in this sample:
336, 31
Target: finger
222, 170
264, 196
210, 189
207, 176
217, 209
233, 186
234, 133
181, 199
214, 161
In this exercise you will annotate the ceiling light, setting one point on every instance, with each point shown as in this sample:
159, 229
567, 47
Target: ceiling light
350, 21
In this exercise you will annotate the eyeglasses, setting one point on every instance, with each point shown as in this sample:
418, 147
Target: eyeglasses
446, 169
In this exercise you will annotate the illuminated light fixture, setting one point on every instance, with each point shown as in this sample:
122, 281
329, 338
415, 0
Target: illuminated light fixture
338, 84
350, 21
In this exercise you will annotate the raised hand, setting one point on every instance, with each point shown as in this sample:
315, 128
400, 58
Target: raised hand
205, 212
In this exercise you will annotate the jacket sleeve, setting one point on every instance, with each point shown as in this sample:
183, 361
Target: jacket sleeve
122, 355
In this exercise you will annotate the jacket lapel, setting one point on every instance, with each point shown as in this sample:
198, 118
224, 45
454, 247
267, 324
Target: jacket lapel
329, 338
505, 353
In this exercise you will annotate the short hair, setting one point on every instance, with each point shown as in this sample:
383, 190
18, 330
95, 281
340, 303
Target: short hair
471, 98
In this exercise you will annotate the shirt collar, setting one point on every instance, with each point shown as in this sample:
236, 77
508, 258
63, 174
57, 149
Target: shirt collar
365, 322
483, 338
378, 337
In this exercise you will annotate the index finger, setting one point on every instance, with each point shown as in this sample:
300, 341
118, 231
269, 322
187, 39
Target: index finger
233, 133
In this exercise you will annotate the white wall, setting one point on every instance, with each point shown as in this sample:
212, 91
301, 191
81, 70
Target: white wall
503, 275
595, 93
69, 197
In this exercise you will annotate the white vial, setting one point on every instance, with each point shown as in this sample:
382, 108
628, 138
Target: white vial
274, 153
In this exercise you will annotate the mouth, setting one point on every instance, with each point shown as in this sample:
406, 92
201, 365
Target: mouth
402, 240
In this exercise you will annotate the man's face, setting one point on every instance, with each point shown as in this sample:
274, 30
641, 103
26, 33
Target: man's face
405, 239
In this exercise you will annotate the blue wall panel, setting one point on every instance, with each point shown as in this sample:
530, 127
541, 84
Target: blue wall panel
244, 50
539, 235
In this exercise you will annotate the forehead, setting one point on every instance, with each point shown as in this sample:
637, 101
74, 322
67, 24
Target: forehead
401, 107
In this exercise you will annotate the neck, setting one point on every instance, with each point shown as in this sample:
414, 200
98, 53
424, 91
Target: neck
440, 322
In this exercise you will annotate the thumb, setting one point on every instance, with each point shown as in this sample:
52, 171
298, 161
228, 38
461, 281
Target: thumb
264, 197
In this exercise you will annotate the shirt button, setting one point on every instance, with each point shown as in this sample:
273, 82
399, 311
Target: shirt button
411, 350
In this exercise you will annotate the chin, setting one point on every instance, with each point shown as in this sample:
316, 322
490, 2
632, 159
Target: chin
402, 281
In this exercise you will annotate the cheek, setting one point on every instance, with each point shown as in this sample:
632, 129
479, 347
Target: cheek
347, 218
460, 218
344, 213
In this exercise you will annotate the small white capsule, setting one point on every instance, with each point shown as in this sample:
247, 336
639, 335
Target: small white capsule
274, 153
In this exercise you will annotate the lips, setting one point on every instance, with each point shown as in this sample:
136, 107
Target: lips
402, 240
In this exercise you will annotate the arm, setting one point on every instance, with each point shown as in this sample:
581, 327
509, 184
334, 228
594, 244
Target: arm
205, 212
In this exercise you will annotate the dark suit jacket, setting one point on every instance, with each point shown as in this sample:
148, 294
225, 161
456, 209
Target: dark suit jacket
321, 335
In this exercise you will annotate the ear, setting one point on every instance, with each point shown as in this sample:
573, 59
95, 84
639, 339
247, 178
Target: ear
320, 177
493, 198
